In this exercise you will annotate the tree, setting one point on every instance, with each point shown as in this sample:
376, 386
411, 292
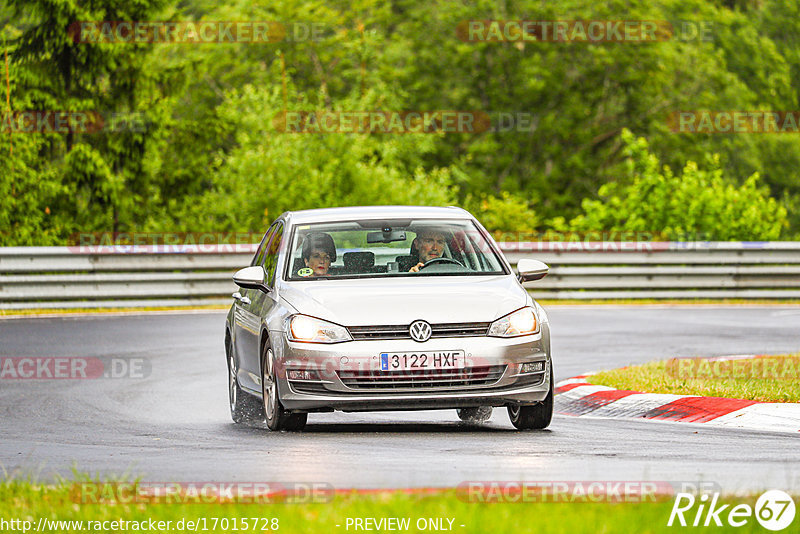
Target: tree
106, 176
270, 171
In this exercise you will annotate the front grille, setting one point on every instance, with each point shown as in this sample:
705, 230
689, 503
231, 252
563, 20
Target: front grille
401, 331
422, 378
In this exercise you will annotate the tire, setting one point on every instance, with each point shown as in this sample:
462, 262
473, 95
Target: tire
537, 416
479, 414
276, 416
245, 408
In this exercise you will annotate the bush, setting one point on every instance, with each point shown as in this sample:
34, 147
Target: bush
698, 203
506, 213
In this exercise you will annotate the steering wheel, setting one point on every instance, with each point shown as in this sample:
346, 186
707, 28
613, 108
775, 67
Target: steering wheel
440, 259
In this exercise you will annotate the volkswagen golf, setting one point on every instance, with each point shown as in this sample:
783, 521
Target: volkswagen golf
386, 308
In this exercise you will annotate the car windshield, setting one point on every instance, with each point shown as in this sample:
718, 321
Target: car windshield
379, 248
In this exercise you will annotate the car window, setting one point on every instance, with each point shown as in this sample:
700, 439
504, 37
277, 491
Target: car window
271, 255
370, 248
258, 257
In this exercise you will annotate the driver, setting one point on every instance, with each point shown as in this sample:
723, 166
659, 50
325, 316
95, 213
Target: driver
428, 244
318, 252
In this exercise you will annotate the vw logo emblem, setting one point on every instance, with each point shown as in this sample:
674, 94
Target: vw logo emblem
420, 331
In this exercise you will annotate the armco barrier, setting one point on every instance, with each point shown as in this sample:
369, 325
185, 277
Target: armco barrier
704, 269
57, 277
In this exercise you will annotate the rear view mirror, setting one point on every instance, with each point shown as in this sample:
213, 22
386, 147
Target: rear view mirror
386, 237
530, 270
250, 278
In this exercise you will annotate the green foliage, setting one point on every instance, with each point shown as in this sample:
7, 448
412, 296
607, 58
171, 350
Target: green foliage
763, 379
697, 203
270, 171
105, 179
26, 194
506, 213
579, 97
210, 158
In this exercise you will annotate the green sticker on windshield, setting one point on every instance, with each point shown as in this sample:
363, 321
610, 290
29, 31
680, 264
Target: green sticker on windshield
305, 271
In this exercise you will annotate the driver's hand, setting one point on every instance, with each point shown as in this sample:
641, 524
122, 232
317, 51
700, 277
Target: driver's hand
415, 269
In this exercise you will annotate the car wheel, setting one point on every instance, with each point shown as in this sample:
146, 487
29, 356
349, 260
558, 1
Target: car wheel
277, 418
478, 414
245, 408
536, 416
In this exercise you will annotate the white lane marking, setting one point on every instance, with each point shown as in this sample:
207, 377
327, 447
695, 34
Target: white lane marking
635, 405
784, 313
581, 391
571, 381
772, 416
763, 416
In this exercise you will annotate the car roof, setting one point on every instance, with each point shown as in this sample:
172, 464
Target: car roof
375, 212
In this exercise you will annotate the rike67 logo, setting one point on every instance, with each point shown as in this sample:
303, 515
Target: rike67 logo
774, 510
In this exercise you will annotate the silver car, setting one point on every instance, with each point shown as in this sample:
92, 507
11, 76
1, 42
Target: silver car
386, 308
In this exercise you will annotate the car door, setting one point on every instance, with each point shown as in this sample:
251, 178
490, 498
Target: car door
253, 312
246, 322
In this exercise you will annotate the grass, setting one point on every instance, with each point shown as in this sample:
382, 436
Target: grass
782, 382
543, 302
30, 502
121, 309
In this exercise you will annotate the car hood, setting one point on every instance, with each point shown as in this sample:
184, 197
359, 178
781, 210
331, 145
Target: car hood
393, 301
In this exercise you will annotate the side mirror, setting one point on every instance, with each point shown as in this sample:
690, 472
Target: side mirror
250, 278
530, 270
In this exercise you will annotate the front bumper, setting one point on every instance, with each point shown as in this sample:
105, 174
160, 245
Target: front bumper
348, 375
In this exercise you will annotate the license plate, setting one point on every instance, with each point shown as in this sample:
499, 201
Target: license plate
407, 361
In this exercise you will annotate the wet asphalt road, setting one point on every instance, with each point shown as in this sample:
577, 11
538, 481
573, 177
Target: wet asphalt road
174, 425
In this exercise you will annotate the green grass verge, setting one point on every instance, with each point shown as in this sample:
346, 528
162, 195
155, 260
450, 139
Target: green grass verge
129, 309
544, 302
780, 385
30, 502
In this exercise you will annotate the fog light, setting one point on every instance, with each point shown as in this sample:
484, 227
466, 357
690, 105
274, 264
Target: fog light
532, 367
297, 374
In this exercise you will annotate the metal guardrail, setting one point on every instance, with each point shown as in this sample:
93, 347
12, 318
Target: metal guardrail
58, 277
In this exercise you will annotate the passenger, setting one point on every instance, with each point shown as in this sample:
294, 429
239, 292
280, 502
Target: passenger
429, 244
319, 251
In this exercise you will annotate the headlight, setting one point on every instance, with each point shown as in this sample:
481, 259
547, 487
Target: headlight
519, 323
311, 330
